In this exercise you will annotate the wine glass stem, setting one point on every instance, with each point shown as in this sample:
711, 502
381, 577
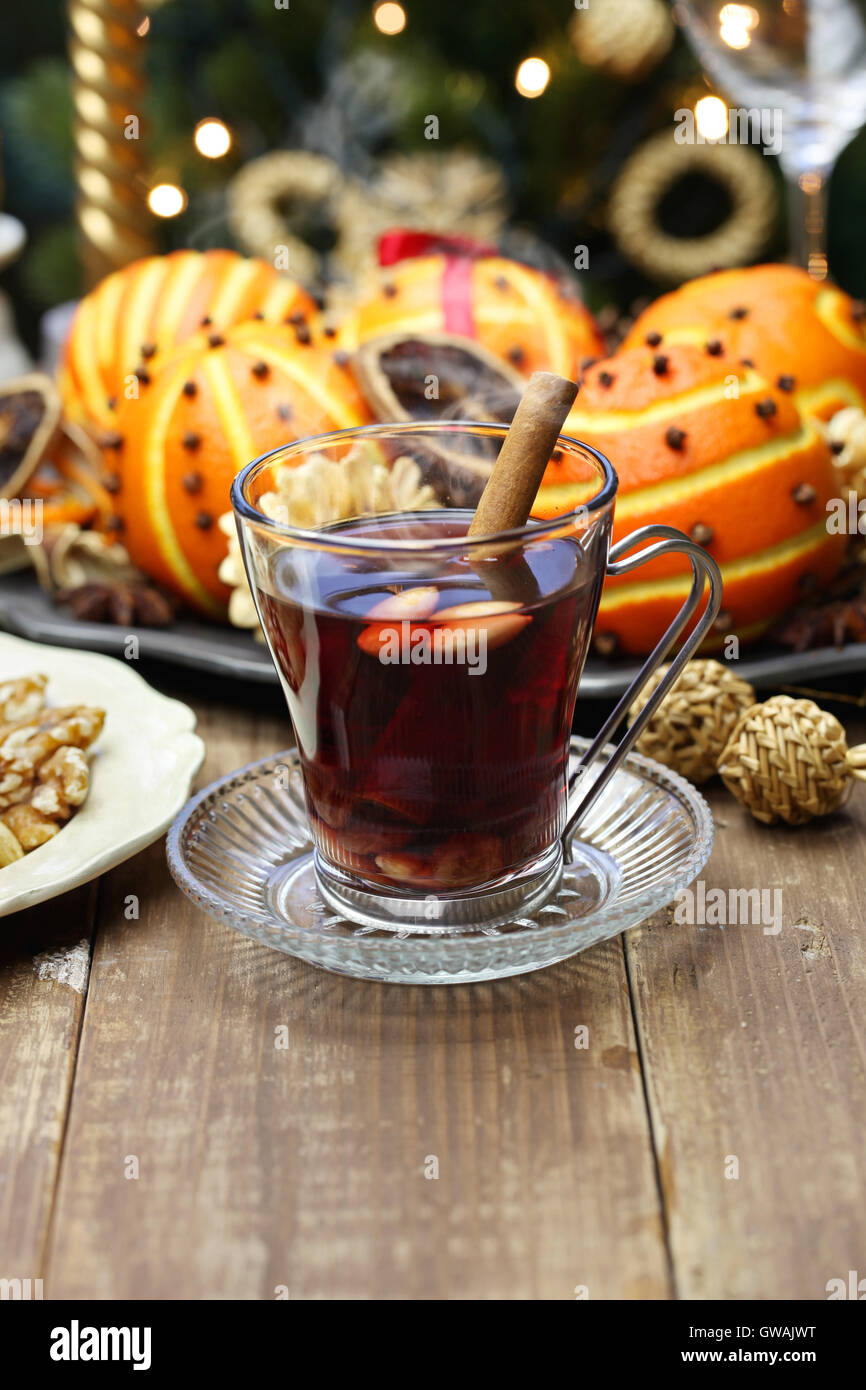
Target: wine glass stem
807, 211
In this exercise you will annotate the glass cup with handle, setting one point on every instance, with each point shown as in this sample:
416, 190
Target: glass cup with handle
431, 678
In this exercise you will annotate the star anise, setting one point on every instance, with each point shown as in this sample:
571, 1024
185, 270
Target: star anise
824, 625
830, 615
122, 604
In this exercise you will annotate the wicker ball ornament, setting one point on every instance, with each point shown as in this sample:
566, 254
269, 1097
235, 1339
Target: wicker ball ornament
783, 759
788, 760
625, 39
695, 720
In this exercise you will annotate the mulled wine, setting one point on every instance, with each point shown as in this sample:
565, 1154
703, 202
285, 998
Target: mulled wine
431, 695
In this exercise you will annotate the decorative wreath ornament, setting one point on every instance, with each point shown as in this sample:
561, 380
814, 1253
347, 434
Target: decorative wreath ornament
452, 192
261, 193
654, 168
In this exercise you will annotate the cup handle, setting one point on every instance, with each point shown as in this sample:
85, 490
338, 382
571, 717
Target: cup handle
704, 570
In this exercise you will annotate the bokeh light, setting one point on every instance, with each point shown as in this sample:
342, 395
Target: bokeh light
166, 200
532, 77
212, 138
711, 118
736, 23
389, 18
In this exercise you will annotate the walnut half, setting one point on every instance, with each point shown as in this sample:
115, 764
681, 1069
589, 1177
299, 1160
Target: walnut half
21, 698
44, 773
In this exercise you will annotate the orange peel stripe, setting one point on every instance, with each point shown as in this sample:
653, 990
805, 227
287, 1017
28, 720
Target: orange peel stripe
176, 295
656, 496
279, 299
565, 497
650, 501
687, 333
229, 409
67, 385
426, 321
501, 313
106, 320
137, 313
342, 415
602, 422
232, 290
537, 295
830, 307
155, 493
774, 557
83, 363
732, 470
415, 271
814, 399
348, 335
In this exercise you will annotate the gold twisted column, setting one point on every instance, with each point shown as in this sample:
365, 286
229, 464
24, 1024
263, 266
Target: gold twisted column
106, 53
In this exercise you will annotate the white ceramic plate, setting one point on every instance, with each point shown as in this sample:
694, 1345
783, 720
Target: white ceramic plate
142, 767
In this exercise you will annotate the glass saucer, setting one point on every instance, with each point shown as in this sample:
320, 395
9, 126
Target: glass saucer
241, 850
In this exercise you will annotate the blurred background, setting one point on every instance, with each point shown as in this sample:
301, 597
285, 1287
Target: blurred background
513, 122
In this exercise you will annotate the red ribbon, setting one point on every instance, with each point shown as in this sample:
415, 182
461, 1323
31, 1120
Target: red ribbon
401, 244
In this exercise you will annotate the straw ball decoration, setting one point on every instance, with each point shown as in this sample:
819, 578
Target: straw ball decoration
788, 760
450, 192
694, 721
625, 39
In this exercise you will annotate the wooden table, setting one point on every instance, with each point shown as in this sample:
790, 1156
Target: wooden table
563, 1171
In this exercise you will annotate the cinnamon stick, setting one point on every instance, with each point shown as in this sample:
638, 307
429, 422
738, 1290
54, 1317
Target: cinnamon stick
507, 499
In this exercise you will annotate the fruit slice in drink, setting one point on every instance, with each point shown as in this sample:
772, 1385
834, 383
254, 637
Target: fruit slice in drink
449, 632
495, 622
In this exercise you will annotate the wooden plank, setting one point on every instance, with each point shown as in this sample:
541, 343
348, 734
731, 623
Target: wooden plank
754, 1048
44, 954
304, 1167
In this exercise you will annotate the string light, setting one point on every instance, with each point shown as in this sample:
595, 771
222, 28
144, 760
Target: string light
711, 118
144, 27
389, 18
736, 23
532, 77
212, 138
166, 200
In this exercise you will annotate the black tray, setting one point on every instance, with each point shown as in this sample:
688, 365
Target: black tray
224, 651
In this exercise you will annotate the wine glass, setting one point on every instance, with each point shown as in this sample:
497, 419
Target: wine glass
807, 59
